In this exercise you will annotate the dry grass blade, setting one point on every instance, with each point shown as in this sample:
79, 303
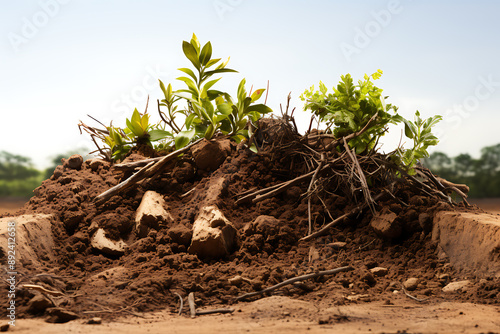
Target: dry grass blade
364, 185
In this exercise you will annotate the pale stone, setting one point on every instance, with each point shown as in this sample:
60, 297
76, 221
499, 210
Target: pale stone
411, 283
34, 241
379, 271
214, 236
456, 286
105, 245
151, 213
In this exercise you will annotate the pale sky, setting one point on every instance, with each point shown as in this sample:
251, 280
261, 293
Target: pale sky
63, 59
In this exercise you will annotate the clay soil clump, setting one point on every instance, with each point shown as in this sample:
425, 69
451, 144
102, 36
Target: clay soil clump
253, 244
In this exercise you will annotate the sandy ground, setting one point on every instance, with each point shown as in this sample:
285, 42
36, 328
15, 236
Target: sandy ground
488, 204
284, 315
11, 205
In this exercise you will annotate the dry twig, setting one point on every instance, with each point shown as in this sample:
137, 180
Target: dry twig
192, 306
293, 280
42, 289
145, 172
321, 163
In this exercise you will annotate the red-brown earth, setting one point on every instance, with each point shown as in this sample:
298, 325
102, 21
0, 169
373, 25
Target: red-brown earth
157, 268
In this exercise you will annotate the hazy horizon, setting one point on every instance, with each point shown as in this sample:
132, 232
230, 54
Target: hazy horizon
62, 60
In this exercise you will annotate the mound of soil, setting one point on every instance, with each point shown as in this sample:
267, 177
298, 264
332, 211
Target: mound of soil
155, 269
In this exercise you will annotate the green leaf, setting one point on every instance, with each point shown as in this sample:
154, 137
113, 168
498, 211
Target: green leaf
207, 86
242, 94
253, 148
220, 118
195, 43
162, 86
158, 134
191, 85
145, 122
222, 65
189, 120
241, 124
222, 70
183, 138
206, 53
208, 107
210, 132
257, 94
136, 117
224, 108
213, 94
212, 62
191, 54
260, 108
189, 72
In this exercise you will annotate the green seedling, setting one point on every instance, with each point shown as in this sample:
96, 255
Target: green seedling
350, 107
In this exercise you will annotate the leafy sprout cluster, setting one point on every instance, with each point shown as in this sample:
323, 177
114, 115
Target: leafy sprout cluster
362, 110
205, 112
199, 110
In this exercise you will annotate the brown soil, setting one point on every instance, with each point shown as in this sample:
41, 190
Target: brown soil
153, 269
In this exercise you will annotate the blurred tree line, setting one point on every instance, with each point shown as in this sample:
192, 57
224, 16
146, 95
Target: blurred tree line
18, 176
481, 175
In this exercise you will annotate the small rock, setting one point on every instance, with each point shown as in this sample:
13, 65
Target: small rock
337, 245
411, 283
385, 224
355, 298
95, 321
74, 162
38, 304
379, 271
59, 315
236, 280
151, 213
214, 236
105, 245
456, 286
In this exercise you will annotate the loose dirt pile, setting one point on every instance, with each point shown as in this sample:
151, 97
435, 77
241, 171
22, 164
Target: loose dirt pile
157, 262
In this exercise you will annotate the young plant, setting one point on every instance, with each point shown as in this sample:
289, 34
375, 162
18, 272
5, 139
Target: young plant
137, 132
204, 116
420, 132
241, 113
350, 107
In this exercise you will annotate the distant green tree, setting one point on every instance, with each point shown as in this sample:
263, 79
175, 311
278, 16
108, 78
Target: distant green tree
18, 177
481, 175
440, 164
15, 167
